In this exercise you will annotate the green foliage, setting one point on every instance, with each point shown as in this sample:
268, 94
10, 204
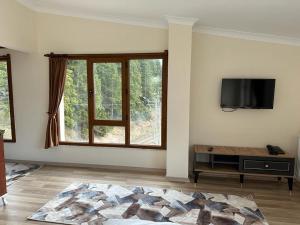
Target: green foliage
75, 99
145, 89
108, 90
5, 121
4, 93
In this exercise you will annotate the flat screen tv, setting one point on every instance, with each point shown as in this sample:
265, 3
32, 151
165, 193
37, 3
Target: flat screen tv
248, 93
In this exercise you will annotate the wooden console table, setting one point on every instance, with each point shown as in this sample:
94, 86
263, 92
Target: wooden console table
243, 161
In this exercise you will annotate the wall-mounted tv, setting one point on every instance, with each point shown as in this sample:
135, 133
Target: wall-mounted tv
248, 93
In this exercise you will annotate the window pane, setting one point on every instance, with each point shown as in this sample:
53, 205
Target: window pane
109, 135
145, 101
5, 118
108, 91
74, 105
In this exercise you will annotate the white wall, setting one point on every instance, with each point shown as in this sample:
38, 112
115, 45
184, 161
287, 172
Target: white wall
212, 59
30, 80
215, 58
18, 26
75, 35
298, 161
180, 50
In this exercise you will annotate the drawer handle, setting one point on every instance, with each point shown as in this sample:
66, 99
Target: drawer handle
267, 165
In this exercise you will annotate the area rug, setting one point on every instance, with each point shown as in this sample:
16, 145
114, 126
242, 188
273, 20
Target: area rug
105, 204
15, 171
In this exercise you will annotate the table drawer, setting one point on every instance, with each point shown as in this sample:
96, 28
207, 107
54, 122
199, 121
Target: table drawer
266, 165
273, 166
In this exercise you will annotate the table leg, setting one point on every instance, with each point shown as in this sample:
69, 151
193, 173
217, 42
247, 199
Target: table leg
3, 201
290, 183
241, 180
196, 176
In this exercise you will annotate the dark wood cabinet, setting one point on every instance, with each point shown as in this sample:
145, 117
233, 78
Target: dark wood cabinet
267, 165
243, 161
2, 168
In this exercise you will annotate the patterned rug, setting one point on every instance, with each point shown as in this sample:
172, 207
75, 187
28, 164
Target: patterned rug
15, 171
104, 204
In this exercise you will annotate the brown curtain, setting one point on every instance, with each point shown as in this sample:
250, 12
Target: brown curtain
57, 76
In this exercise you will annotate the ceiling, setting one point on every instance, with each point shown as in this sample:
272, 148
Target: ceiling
277, 18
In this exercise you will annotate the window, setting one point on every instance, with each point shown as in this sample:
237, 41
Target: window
115, 100
6, 100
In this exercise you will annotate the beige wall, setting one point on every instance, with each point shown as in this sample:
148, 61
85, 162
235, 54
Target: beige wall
215, 58
75, 35
180, 47
30, 80
298, 161
18, 30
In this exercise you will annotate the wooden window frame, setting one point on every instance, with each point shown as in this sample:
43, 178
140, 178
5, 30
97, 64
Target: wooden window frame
6, 58
125, 122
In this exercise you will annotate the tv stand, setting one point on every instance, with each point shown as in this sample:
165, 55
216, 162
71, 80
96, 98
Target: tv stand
243, 161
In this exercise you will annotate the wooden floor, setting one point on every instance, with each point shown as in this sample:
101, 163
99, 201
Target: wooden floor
29, 193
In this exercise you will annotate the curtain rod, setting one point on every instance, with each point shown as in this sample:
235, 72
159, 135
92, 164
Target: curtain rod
106, 55
5, 56
56, 55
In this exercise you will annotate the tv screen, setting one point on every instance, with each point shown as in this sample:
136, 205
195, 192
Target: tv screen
248, 93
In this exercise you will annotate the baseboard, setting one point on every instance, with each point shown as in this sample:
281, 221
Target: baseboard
105, 167
178, 179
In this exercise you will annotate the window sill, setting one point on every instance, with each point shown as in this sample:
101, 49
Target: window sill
153, 147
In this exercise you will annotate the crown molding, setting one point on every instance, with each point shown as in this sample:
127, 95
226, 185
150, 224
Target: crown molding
162, 23
158, 23
187, 21
269, 38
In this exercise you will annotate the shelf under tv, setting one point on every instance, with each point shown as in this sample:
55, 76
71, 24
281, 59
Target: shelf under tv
243, 161
222, 168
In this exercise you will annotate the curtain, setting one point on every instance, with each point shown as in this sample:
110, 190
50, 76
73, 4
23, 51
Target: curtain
57, 76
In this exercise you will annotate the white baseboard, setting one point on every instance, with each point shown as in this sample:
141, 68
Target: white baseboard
178, 179
106, 167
